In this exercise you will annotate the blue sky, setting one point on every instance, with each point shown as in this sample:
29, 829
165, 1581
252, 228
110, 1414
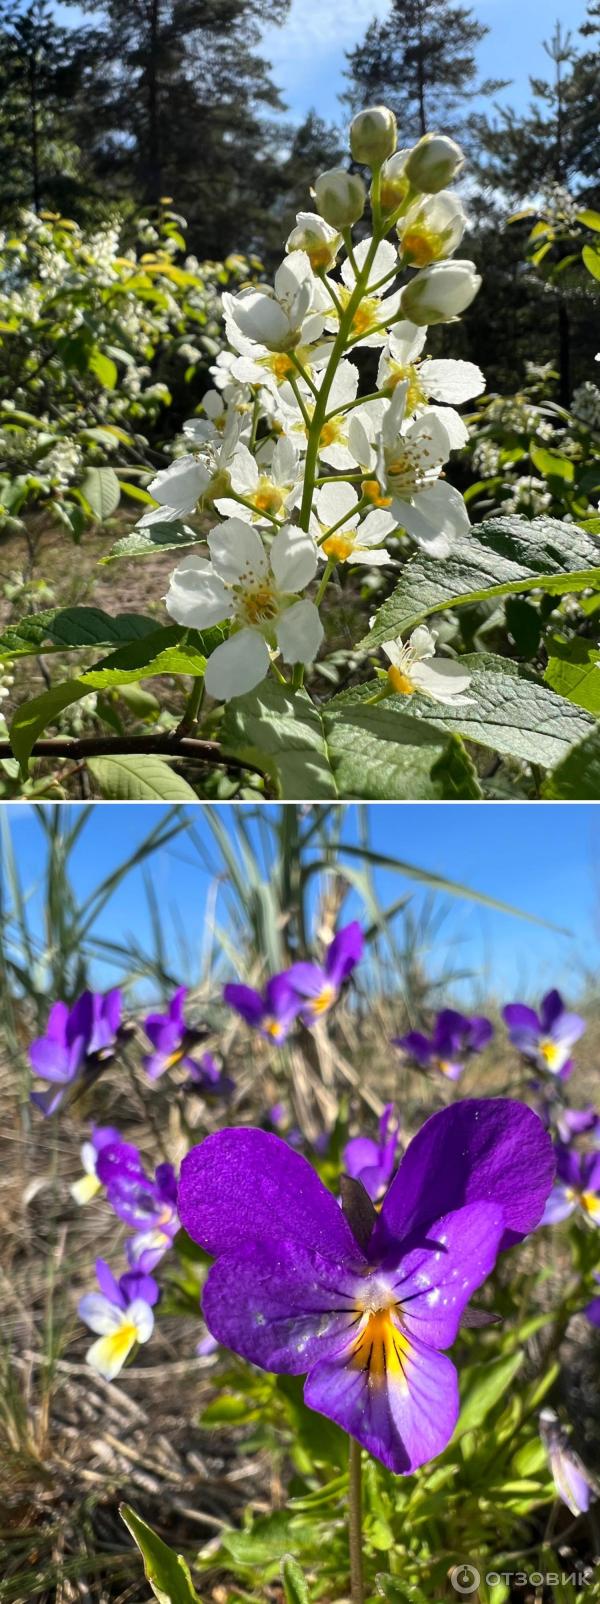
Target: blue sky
544, 859
308, 53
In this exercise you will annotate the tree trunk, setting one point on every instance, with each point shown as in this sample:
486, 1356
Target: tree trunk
153, 186
33, 123
421, 76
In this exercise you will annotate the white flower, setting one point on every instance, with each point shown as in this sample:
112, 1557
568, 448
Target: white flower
272, 317
411, 669
314, 236
333, 441
439, 293
351, 542
340, 197
253, 588
272, 490
373, 135
409, 463
433, 162
438, 380
119, 1330
375, 307
189, 480
431, 228
88, 1185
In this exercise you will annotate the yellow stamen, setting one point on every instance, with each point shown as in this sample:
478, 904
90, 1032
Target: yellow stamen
259, 605
401, 373
338, 547
273, 1027
400, 682
372, 492
551, 1053
331, 432
420, 246
267, 498
381, 1349
320, 1004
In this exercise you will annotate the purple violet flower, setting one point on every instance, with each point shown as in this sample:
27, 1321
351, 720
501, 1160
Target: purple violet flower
294, 1290
90, 1184
121, 1312
205, 1076
373, 1162
271, 1012
173, 1041
592, 1309
454, 1037
149, 1206
77, 1041
577, 1186
319, 985
571, 1479
545, 1039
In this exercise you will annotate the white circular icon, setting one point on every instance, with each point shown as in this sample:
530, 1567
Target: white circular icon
464, 1578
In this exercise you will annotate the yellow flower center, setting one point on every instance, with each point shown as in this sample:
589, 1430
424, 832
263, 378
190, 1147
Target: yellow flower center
551, 1053
260, 605
401, 683
420, 246
331, 431
279, 364
122, 1340
338, 547
400, 373
268, 498
320, 1004
372, 491
381, 1349
273, 1027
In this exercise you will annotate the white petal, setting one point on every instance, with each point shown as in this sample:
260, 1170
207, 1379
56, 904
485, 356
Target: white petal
452, 422
375, 527
260, 317
386, 257
237, 666
238, 554
434, 517
344, 387
299, 633
243, 471
196, 596
107, 1356
164, 515
428, 431
443, 679
452, 381
375, 555
359, 444
181, 484
394, 651
293, 559
142, 1318
337, 501
232, 509
337, 455
99, 1313
407, 341
284, 462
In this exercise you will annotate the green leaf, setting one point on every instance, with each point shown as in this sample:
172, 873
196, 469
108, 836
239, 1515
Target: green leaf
482, 1387
294, 1581
157, 537
551, 464
573, 671
139, 778
591, 258
102, 491
344, 749
71, 628
167, 1572
169, 650
499, 558
105, 369
577, 777
32, 718
511, 712
590, 218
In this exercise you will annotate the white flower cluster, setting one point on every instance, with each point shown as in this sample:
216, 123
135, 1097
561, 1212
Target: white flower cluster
585, 404
305, 472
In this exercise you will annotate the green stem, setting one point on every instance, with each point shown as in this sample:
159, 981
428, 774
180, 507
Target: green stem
192, 707
355, 1523
243, 502
329, 567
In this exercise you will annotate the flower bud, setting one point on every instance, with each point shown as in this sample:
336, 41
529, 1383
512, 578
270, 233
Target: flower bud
431, 228
433, 162
340, 197
315, 237
394, 183
373, 135
440, 292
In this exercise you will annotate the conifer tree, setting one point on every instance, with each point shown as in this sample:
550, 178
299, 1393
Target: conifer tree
421, 61
40, 66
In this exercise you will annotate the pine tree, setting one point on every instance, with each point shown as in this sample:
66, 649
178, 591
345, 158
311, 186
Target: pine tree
176, 100
421, 62
40, 66
520, 155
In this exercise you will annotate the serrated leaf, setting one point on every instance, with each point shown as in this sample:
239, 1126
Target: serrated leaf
573, 671
501, 557
102, 491
345, 749
157, 537
139, 778
167, 1572
577, 777
511, 712
70, 628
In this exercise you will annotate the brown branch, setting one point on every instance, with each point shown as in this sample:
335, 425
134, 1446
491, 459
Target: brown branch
168, 745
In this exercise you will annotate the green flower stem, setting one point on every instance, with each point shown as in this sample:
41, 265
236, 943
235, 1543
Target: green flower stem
243, 502
361, 400
305, 415
355, 1523
348, 478
192, 708
304, 373
328, 570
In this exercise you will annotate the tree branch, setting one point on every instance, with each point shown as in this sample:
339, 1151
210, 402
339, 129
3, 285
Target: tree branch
167, 745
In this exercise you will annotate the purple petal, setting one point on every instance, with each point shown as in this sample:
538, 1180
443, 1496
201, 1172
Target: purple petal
481, 1031
119, 1161
309, 980
568, 1028
437, 1278
246, 1001
518, 1017
559, 1206
248, 1185
281, 1305
134, 1284
344, 953
47, 1102
551, 1008
415, 1043
56, 1028
359, 1154
404, 1415
593, 1311
50, 1060
109, 1285
280, 997
478, 1150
